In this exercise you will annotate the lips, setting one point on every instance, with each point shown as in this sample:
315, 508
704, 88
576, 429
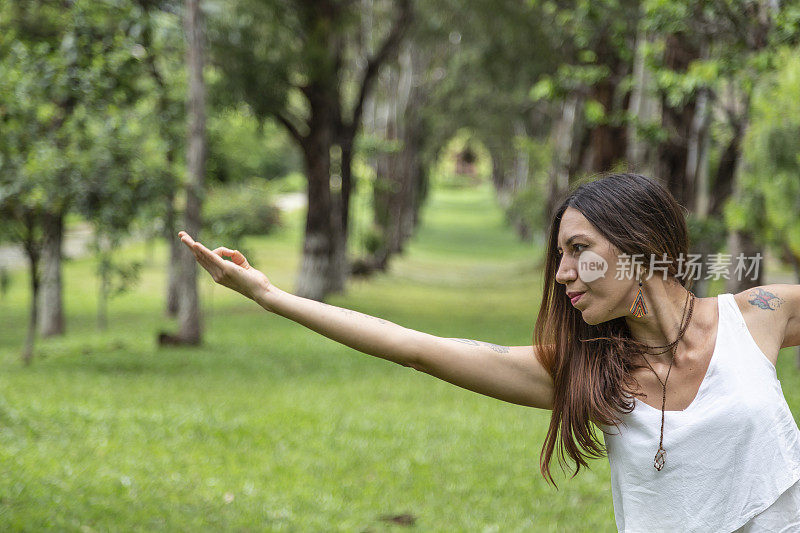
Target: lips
574, 296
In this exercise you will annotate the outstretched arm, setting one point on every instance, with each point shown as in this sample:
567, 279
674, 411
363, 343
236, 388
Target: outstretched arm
512, 374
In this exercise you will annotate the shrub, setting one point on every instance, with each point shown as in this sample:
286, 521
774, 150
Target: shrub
232, 212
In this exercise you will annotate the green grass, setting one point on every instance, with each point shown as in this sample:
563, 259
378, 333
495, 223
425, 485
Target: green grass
271, 427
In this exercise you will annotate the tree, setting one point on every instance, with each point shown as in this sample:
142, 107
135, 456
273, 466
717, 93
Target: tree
22, 217
767, 199
59, 69
122, 178
190, 325
293, 62
60, 66
161, 38
477, 68
712, 54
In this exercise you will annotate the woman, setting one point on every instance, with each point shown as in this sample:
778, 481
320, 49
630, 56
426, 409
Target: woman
698, 434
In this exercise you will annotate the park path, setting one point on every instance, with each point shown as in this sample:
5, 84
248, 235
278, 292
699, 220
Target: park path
76, 244
78, 237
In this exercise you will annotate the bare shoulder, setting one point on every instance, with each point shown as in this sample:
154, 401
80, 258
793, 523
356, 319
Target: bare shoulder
769, 311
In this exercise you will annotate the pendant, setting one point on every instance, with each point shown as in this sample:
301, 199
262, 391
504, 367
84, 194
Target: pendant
660, 458
638, 308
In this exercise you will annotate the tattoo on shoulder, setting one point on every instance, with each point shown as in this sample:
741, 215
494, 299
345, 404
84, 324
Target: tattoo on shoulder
496, 347
763, 299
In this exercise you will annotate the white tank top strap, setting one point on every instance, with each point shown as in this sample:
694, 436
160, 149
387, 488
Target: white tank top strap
739, 330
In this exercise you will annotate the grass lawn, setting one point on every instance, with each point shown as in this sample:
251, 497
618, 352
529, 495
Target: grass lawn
270, 426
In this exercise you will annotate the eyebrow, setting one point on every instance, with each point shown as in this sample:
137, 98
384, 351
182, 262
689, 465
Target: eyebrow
575, 237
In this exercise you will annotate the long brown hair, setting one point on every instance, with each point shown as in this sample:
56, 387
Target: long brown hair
591, 365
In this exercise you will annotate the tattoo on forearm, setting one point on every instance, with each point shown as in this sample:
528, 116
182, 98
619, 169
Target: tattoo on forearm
353, 312
496, 347
763, 299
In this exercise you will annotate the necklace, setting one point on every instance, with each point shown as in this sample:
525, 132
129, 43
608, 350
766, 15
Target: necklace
661, 455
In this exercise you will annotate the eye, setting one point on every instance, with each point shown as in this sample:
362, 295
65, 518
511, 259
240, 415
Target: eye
575, 247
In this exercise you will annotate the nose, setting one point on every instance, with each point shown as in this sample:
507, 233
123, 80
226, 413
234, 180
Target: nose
567, 270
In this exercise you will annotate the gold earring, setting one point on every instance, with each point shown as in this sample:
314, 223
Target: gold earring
638, 308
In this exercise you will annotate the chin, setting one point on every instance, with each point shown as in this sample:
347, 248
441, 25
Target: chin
591, 320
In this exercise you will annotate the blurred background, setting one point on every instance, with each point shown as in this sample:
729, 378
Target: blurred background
400, 158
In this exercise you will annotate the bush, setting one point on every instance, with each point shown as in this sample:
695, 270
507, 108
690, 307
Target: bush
291, 182
238, 150
373, 239
232, 212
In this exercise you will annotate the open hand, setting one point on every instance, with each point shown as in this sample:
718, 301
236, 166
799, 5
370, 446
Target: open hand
236, 274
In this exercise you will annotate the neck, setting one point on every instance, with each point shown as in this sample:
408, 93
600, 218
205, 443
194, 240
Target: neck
661, 325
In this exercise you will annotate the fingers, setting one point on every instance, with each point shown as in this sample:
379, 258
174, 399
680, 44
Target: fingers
186, 238
197, 247
190, 243
209, 256
236, 256
213, 261
207, 259
239, 259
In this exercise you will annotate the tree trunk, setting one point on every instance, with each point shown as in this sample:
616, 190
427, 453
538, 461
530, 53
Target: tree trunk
322, 248
729, 172
697, 161
565, 152
502, 152
521, 172
608, 142
696, 154
102, 298
742, 242
327, 148
50, 306
407, 165
33, 262
521, 165
726, 183
190, 327
339, 266
5, 281
347, 184
103, 258
399, 174
643, 108
384, 188
725, 177
173, 264
411, 205
677, 121
504, 196
672, 152
165, 110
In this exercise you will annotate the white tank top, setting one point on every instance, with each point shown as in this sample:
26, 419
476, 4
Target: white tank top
732, 456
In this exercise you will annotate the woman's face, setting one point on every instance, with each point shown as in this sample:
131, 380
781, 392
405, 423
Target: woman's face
589, 264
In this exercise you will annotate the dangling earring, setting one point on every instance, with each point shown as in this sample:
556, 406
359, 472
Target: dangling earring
638, 308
